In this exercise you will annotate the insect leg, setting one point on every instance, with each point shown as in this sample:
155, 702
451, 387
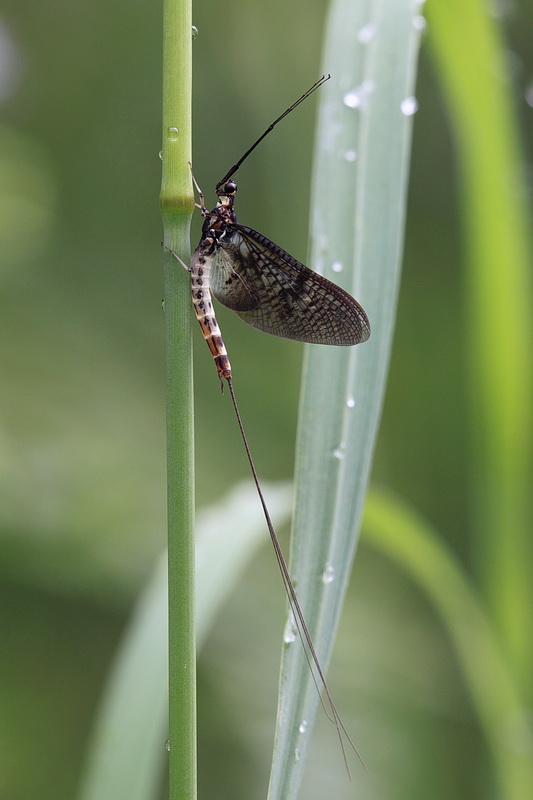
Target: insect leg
176, 256
201, 204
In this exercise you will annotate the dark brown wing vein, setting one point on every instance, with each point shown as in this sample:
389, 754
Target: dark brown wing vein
272, 291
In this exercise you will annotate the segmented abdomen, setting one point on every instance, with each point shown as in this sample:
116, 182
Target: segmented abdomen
203, 308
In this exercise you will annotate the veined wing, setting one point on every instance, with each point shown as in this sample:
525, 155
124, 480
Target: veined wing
272, 291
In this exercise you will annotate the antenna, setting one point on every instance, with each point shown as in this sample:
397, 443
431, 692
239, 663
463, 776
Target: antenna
272, 125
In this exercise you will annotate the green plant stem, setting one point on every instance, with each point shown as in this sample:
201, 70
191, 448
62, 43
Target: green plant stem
177, 205
470, 54
397, 530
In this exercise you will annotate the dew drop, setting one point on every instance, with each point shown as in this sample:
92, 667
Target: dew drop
366, 33
194, 30
356, 97
290, 633
350, 402
289, 636
409, 106
328, 576
303, 726
339, 451
161, 155
350, 155
297, 754
528, 95
419, 23
336, 266
167, 745
351, 99
173, 133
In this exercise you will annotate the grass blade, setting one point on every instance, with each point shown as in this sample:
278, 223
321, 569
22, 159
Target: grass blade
359, 197
126, 753
403, 535
498, 288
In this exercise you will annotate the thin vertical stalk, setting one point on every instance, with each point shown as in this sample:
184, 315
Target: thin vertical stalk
467, 41
177, 204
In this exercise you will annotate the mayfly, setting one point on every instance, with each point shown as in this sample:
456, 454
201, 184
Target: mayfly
271, 291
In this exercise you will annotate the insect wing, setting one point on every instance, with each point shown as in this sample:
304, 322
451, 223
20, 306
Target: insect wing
275, 293
231, 282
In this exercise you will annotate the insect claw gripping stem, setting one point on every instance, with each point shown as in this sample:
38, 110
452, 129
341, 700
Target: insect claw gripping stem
201, 204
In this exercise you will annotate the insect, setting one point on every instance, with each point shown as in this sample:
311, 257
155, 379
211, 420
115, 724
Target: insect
271, 291
263, 284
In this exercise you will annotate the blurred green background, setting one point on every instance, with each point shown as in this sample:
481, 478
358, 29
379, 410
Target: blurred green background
82, 448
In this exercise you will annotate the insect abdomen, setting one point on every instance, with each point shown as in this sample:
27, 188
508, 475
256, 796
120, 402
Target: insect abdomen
203, 308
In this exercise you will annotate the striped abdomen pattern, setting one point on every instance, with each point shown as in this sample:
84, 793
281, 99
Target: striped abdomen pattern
200, 269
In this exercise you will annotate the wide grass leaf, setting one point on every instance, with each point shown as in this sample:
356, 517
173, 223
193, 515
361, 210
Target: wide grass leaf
358, 212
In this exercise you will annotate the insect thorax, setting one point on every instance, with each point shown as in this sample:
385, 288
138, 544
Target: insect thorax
218, 222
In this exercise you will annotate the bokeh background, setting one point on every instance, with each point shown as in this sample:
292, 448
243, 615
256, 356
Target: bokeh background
82, 448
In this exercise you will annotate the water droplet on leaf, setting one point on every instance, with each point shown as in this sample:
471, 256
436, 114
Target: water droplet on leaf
339, 451
366, 33
357, 96
409, 106
290, 633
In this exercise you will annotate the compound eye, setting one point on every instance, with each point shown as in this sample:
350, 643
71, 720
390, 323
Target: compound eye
230, 187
